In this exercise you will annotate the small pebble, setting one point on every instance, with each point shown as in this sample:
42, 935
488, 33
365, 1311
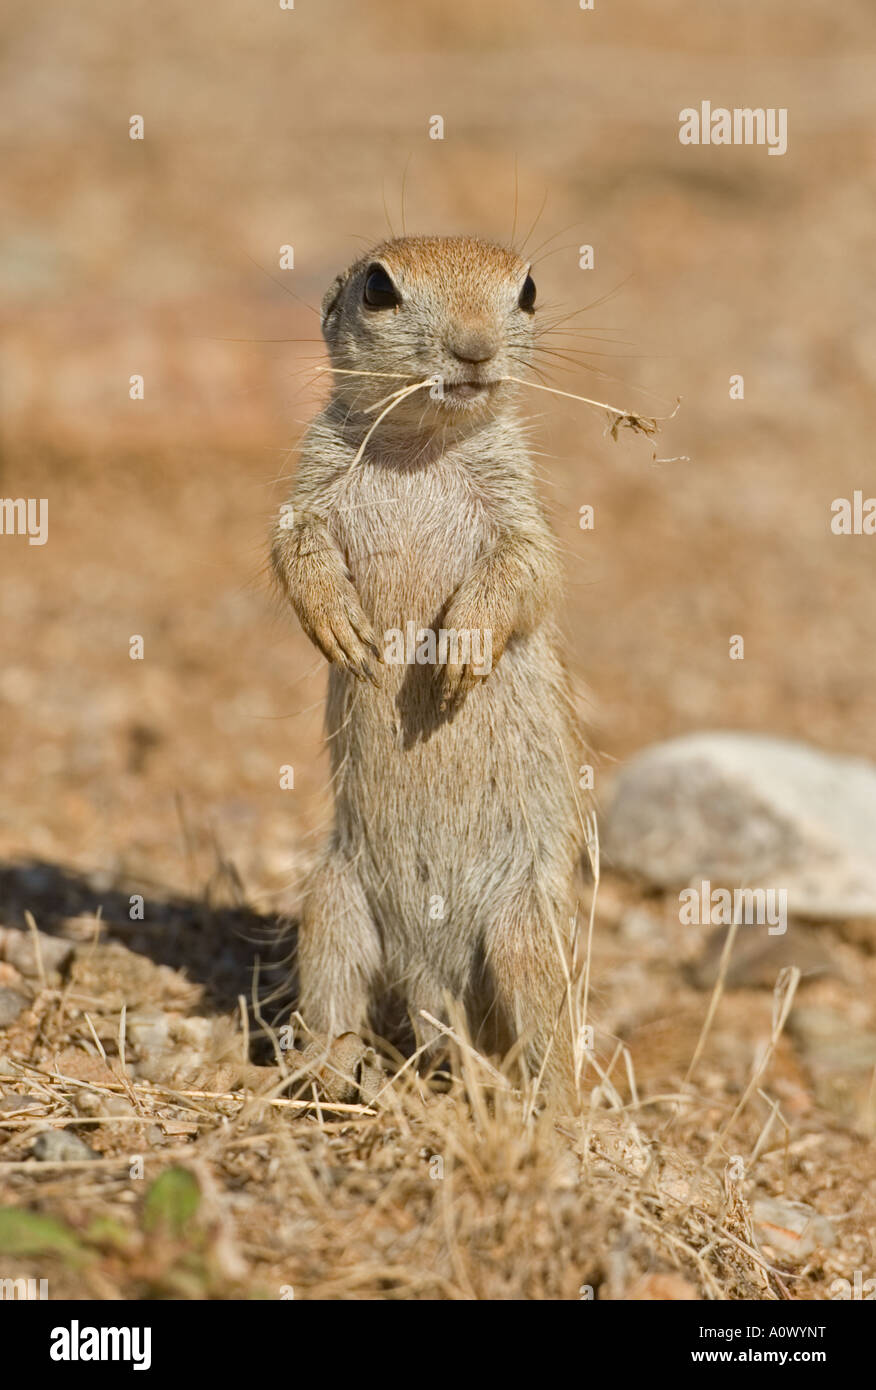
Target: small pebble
791, 1228
19, 949
11, 1005
94, 1103
60, 1146
11, 1105
148, 1030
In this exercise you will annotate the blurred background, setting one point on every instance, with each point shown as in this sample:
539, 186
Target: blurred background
160, 257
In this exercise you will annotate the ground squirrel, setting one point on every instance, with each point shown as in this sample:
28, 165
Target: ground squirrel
414, 529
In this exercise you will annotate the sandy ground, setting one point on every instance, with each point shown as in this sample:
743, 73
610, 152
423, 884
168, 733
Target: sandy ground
161, 776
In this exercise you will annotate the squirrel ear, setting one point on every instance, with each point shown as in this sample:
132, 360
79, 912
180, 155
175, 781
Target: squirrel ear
332, 295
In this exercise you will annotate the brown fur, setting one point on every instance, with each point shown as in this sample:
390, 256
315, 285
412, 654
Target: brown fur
450, 866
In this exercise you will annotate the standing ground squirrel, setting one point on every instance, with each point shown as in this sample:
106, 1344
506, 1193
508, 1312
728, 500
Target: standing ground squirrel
415, 552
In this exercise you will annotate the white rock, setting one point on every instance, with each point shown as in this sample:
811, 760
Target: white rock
791, 1228
19, 948
747, 810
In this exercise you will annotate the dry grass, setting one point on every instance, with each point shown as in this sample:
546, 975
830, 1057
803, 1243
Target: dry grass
159, 522
218, 1177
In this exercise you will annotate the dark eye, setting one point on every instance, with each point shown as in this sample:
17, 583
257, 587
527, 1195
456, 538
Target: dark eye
527, 295
380, 292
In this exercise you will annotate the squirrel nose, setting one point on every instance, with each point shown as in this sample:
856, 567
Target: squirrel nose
473, 347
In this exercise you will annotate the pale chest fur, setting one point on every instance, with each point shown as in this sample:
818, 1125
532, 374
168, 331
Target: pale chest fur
409, 537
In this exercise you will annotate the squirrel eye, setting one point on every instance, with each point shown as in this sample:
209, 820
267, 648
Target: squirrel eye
527, 295
380, 292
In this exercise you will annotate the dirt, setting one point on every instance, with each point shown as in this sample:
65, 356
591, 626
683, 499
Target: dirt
160, 777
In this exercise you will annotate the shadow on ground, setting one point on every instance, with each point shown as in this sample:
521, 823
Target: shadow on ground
225, 947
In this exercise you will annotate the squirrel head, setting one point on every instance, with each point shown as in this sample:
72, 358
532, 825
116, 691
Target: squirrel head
457, 311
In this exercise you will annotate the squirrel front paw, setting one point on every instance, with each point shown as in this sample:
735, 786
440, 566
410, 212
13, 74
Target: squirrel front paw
474, 645
336, 623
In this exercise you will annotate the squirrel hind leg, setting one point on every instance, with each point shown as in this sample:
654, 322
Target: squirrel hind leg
339, 951
523, 965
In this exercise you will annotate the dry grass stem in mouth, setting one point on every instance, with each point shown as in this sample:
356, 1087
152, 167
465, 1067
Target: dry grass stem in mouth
398, 395
394, 400
618, 419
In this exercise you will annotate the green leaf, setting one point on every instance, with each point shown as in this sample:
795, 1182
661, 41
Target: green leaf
25, 1232
172, 1201
110, 1234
